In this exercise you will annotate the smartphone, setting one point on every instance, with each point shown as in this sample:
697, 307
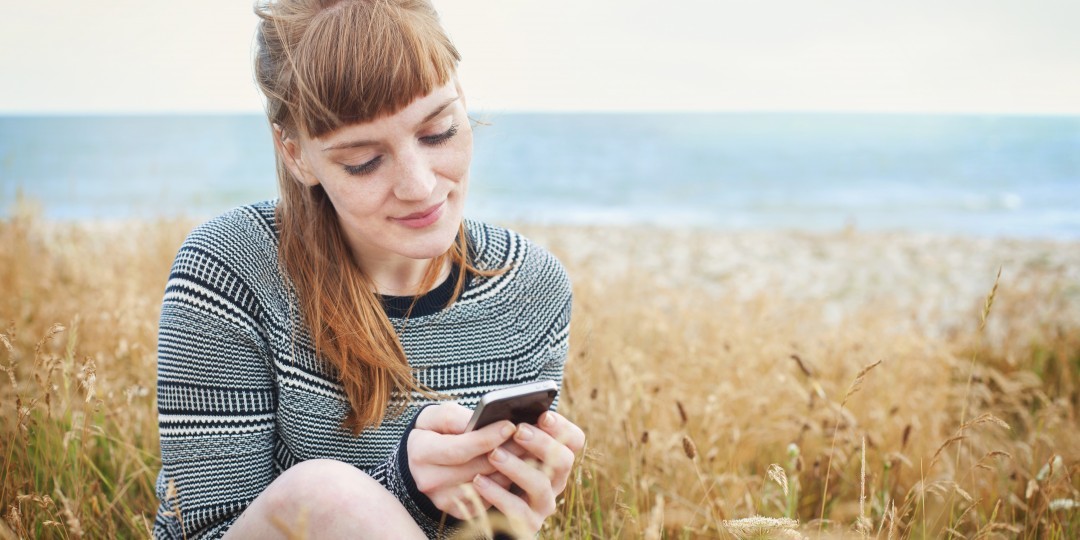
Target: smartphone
523, 403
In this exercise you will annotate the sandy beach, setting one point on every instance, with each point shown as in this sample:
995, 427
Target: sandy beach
936, 283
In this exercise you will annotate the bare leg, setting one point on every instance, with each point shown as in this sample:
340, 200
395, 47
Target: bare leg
323, 498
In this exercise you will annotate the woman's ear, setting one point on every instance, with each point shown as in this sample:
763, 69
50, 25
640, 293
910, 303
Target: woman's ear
292, 154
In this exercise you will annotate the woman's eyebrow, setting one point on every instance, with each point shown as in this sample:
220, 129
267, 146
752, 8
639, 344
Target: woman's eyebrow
358, 144
441, 108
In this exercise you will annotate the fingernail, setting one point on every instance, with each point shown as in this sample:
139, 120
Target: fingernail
498, 455
548, 420
507, 430
524, 432
481, 480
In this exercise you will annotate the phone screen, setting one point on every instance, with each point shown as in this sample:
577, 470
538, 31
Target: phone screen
521, 404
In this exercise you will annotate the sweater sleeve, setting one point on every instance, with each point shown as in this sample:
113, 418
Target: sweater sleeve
395, 476
558, 342
216, 399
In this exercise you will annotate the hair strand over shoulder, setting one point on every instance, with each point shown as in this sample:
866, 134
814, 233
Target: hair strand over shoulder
323, 65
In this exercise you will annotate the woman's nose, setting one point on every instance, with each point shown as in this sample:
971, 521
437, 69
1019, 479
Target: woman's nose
415, 179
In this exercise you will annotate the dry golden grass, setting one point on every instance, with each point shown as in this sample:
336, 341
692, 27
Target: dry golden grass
705, 406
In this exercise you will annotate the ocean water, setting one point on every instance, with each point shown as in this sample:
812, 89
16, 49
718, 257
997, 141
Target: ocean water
1001, 176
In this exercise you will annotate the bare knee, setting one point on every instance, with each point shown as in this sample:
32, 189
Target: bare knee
326, 495
319, 485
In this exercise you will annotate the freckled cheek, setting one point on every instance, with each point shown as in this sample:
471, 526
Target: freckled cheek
354, 198
454, 161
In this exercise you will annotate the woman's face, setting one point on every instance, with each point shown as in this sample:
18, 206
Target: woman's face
397, 183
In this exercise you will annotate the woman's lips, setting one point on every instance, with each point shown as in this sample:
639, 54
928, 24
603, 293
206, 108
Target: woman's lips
422, 218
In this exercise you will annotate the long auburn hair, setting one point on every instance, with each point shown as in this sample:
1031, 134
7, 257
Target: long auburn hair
323, 65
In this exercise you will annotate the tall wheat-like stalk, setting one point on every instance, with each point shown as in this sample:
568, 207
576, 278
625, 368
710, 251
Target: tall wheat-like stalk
987, 304
856, 384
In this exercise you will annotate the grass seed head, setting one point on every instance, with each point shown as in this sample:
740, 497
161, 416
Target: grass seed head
15, 521
88, 378
7, 344
857, 383
989, 301
776, 474
755, 527
74, 525
682, 412
689, 448
802, 365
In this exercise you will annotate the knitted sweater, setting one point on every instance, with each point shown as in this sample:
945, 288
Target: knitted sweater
242, 396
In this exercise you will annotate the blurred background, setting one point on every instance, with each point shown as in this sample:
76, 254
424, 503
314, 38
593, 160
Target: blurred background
923, 153
950, 118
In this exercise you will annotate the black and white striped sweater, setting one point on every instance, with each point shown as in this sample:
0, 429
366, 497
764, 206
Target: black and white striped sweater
242, 396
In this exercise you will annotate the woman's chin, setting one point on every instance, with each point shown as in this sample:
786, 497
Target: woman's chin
427, 244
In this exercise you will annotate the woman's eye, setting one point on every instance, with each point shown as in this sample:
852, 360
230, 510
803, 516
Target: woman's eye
436, 140
363, 168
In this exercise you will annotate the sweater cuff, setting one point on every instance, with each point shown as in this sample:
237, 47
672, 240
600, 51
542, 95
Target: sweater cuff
423, 503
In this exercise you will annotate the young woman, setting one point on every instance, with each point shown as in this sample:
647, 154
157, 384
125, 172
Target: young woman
318, 354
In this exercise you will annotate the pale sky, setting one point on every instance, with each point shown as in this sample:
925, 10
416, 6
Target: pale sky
963, 56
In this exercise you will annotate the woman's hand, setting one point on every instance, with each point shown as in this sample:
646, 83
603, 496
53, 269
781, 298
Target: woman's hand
443, 458
541, 476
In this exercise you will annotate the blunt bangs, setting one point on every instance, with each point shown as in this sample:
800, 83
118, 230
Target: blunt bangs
361, 60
